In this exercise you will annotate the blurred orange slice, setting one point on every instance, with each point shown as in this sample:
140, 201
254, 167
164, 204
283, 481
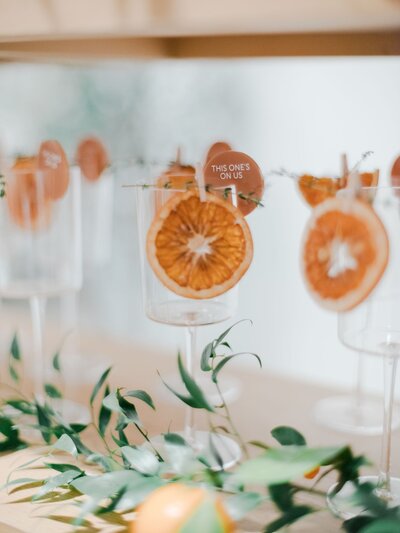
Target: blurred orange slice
27, 203
177, 176
92, 158
345, 252
199, 249
316, 190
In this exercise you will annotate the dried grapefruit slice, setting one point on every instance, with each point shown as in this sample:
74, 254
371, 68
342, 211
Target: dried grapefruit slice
316, 190
199, 249
177, 176
345, 252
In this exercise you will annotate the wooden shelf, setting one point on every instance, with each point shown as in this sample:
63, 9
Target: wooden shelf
77, 30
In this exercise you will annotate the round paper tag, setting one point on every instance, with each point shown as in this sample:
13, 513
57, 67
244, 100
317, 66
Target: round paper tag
217, 148
236, 168
53, 162
92, 158
395, 175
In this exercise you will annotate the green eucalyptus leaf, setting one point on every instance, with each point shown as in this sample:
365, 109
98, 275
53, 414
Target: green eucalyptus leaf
175, 438
228, 358
238, 505
23, 406
63, 467
52, 391
111, 402
291, 516
288, 436
55, 482
136, 492
108, 464
56, 362
140, 395
104, 414
99, 384
15, 351
206, 355
196, 398
282, 465
282, 496
128, 409
12, 372
44, 422
104, 486
141, 460
226, 332
66, 444
204, 519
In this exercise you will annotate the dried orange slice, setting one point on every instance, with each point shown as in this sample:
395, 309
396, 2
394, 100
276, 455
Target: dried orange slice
345, 252
316, 190
199, 249
28, 206
177, 176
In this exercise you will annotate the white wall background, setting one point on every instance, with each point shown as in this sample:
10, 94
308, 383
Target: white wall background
296, 113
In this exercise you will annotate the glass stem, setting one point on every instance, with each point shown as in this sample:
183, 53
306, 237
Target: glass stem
390, 367
38, 310
360, 379
190, 337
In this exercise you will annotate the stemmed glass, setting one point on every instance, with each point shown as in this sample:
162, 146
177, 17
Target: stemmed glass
373, 327
164, 306
40, 250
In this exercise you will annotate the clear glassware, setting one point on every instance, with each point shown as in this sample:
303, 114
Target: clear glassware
373, 327
355, 413
166, 307
97, 219
40, 248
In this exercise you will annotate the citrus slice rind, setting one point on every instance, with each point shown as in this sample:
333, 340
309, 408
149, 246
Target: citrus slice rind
316, 190
199, 249
344, 253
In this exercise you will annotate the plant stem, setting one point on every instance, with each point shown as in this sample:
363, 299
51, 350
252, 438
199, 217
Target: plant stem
228, 417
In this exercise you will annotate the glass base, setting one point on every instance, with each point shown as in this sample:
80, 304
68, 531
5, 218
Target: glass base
189, 312
346, 414
70, 411
342, 503
230, 386
228, 450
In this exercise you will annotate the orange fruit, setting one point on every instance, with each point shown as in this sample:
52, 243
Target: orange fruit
28, 206
316, 190
199, 249
52, 161
345, 252
92, 158
171, 508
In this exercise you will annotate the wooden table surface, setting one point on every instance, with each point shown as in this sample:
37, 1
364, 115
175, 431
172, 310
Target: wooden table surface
266, 401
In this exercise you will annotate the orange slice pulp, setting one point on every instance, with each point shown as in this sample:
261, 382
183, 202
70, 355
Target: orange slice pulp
345, 252
199, 249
